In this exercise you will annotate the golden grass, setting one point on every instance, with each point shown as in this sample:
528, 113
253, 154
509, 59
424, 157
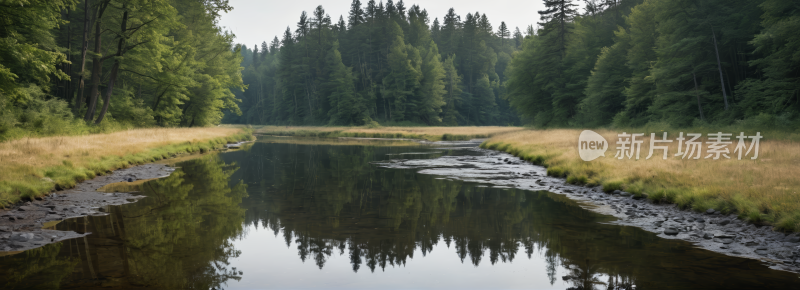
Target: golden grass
762, 190
428, 133
30, 167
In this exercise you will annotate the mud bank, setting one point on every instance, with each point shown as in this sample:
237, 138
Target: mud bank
711, 230
31, 224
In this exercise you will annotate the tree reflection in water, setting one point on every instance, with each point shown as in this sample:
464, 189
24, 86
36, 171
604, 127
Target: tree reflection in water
179, 237
327, 200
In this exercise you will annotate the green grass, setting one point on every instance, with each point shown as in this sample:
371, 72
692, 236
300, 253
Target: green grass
67, 175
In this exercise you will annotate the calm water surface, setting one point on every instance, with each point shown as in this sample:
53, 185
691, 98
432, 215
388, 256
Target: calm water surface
304, 213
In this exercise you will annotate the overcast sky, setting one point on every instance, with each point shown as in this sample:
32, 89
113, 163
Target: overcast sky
255, 21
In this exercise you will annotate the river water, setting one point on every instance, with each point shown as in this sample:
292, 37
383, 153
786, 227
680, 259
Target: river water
313, 213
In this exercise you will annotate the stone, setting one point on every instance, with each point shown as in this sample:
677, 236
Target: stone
671, 231
19, 238
5, 229
724, 222
708, 236
700, 220
625, 193
792, 239
710, 211
616, 192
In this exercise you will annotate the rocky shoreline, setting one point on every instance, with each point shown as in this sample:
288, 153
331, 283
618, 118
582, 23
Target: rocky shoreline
31, 224
711, 230
21, 226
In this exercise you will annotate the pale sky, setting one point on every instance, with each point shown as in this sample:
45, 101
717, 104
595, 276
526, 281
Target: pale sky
255, 21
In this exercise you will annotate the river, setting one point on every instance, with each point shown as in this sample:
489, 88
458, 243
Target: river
292, 213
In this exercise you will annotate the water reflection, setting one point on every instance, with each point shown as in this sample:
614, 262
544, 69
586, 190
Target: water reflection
328, 203
328, 200
180, 237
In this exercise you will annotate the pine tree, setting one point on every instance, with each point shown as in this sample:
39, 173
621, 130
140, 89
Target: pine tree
452, 95
345, 107
503, 33
557, 16
403, 79
356, 16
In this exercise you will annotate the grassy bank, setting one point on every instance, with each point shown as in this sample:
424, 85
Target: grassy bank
426, 133
32, 167
760, 191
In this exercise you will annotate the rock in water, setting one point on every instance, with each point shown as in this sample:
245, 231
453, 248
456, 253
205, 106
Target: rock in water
19, 238
671, 231
724, 222
707, 236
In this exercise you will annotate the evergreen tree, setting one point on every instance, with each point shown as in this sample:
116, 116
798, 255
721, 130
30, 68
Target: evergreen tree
356, 16
556, 17
502, 32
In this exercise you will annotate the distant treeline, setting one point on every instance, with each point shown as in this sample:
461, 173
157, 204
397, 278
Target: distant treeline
679, 62
68, 63
385, 63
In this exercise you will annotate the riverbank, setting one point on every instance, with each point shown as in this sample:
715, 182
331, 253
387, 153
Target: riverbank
33, 167
761, 191
713, 231
423, 133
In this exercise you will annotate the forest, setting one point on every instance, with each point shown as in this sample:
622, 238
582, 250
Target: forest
70, 65
384, 63
595, 63
626, 63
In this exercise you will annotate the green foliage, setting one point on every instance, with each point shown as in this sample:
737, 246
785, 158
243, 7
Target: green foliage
403, 70
681, 63
150, 62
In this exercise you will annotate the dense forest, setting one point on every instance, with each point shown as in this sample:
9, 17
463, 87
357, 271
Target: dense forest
679, 62
384, 63
68, 63
615, 63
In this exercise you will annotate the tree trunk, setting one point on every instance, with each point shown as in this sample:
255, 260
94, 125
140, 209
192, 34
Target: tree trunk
719, 66
115, 67
97, 64
84, 48
97, 71
699, 107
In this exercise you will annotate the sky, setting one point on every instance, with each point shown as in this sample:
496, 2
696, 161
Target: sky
255, 21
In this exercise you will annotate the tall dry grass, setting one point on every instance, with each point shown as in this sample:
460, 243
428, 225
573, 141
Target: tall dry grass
761, 190
428, 133
32, 166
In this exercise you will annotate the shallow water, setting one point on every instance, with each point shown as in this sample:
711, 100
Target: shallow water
283, 215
